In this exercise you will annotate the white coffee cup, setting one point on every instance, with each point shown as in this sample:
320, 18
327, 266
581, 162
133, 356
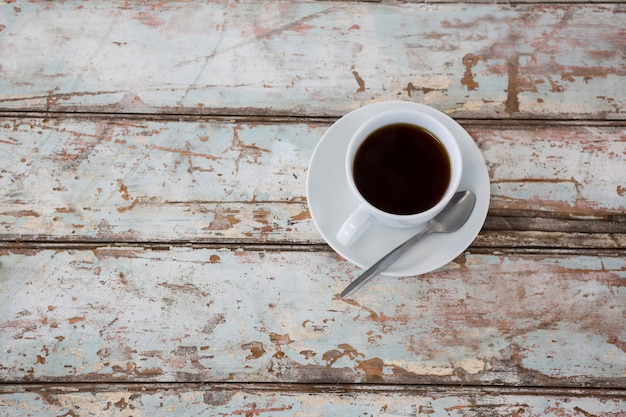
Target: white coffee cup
366, 213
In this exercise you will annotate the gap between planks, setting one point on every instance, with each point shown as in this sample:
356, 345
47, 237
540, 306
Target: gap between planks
62, 245
339, 388
258, 116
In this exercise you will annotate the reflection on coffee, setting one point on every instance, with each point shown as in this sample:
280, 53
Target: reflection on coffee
402, 169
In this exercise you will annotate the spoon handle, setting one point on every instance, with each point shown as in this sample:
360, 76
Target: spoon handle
384, 262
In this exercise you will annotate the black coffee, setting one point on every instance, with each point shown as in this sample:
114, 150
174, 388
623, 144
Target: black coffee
402, 169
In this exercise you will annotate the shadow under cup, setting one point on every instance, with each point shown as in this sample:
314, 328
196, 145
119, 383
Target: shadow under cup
404, 167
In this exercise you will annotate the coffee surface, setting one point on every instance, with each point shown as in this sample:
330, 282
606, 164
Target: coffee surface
402, 169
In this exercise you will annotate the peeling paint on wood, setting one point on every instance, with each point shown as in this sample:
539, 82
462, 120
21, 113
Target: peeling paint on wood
147, 250
125, 314
492, 60
203, 181
288, 401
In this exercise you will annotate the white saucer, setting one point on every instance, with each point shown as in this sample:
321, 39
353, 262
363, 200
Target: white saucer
331, 202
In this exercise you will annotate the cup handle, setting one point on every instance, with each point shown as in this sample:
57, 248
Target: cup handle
354, 226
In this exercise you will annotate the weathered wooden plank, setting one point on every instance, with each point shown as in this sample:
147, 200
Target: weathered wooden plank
129, 314
314, 58
255, 400
139, 180
524, 240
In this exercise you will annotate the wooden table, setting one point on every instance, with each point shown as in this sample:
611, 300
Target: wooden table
157, 254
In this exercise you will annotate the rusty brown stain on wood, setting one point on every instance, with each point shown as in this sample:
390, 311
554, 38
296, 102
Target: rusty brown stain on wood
64, 210
224, 219
302, 216
75, 320
585, 413
621, 345
21, 213
256, 349
127, 208
344, 350
411, 88
9, 141
123, 189
280, 340
308, 354
260, 215
359, 81
373, 369
121, 404
587, 73
554, 87
249, 152
469, 61
46, 321
511, 105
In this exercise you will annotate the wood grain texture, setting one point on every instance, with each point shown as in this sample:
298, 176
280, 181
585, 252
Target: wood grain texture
131, 314
223, 181
314, 58
258, 400
157, 255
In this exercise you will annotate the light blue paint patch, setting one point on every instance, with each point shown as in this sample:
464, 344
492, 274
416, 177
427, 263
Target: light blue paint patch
541, 191
557, 353
617, 265
604, 264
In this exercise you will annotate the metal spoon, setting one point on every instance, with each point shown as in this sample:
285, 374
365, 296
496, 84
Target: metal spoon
450, 219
